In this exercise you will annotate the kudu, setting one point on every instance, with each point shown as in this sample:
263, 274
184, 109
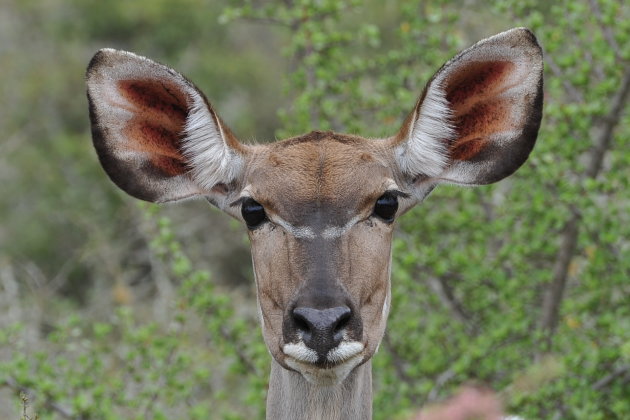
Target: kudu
319, 208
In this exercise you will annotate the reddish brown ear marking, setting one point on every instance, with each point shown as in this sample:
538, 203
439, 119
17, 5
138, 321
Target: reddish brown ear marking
477, 82
157, 97
158, 122
477, 112
169, 166
152, 139
484, 119
162, 145
465, 150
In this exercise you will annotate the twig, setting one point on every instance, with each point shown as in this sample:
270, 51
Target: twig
156, 393
575, 94
445, 293
553, 297
267, 21
608, 379
442, 378
311, 81
242, 357
606, 31
605, 138
63, 411
398, 362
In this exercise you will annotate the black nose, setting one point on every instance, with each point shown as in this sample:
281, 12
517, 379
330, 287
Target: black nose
321, 329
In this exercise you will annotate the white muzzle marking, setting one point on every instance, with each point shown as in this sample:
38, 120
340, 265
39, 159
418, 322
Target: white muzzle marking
346, 356
344, 351
300, 352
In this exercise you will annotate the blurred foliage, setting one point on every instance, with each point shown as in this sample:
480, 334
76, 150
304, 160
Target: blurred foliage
186, 365
107, 317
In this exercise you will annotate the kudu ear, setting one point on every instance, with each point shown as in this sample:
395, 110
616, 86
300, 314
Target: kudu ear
155, 133
477, 120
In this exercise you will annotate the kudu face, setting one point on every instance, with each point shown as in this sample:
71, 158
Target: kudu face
321, 254
319, 208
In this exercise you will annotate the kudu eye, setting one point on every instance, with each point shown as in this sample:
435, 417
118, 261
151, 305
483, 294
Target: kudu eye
386, 207
253, 213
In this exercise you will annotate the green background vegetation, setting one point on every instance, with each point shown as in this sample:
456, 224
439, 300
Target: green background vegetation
110, 309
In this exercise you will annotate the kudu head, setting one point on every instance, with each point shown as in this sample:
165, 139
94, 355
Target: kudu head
319, 208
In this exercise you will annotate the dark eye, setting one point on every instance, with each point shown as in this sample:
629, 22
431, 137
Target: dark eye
253, 213
386, 207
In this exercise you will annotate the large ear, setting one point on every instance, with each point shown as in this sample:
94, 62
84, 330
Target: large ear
155, 133
478, 117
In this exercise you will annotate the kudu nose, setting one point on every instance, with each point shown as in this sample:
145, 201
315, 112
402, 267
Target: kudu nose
321, 329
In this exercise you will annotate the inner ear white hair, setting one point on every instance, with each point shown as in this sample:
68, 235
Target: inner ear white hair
478, 118
429, 134
211, 159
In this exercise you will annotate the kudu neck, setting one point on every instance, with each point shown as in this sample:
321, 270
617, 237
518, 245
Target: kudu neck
292, 397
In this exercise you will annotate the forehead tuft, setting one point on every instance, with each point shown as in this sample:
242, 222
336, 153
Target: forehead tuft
319, 136
319, 170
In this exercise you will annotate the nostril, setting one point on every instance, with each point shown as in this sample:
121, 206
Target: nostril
300, 322
342, 322
322, 325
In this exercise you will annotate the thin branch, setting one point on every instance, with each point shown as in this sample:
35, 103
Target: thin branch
568, 243
574, 93
445, 293
594, 64
553, 296
294, 23
606, 31
605, 138
63, 411
267, 21
161, 380
398, 362
442, 379
311, 82
620, 371
242, 357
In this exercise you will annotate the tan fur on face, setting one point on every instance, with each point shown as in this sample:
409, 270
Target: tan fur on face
319, 169
321, 181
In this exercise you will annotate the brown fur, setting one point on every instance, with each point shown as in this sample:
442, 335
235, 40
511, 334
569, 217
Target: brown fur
318, 170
